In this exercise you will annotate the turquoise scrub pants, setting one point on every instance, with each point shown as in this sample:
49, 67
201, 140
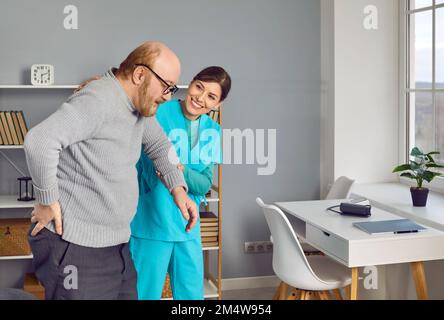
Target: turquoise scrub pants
183, 261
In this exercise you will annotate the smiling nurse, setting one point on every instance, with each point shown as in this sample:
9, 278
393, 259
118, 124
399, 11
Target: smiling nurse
159, 243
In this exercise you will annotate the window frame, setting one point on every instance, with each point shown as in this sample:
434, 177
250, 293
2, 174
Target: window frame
405, 119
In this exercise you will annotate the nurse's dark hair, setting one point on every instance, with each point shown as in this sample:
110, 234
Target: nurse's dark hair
218, 75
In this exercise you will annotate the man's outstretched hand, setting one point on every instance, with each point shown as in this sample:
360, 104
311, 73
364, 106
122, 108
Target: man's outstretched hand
186, 206
42, 215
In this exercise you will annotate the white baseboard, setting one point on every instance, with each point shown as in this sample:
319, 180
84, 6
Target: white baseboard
250, 283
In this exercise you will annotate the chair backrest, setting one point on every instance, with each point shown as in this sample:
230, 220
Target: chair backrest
340, 189
289, 261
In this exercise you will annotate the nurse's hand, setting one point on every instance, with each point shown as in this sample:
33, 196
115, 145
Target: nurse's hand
84, 83
186, 206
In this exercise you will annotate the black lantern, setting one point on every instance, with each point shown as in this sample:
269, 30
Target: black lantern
25, 196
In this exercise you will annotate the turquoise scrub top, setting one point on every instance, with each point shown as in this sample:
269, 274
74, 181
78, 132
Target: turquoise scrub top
157, 216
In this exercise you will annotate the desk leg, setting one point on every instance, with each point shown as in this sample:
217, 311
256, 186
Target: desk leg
354, 284
420, 280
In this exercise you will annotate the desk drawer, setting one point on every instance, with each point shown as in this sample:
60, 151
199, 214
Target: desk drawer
327, 242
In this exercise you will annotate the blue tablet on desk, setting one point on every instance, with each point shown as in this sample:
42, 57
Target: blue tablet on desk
389, 226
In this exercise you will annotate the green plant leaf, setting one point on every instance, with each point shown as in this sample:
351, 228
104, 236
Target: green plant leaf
414, 165
429, 175
434, 165
430, 158
432, 153
403, 167
416, 152
408, 175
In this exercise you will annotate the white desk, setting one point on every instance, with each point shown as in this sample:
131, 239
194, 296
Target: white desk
336, 236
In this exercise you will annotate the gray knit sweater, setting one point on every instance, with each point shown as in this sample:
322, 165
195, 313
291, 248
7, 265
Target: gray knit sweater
84, 156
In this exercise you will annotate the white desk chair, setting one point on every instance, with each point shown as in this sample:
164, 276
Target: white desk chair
315, 275
340, 189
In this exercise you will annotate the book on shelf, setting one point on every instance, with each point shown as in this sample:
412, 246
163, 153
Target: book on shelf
209, 239
3, 133
22, 123
13, 128
209, 228
17, 127
210, 244
5, 126
209, 233
208, 224
208, 216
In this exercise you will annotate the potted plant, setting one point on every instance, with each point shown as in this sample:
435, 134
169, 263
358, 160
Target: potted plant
418, 169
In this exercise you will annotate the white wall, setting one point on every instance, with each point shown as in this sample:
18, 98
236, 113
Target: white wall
366, 91
359, 103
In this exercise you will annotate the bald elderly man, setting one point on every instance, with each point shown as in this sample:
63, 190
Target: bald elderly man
82, 162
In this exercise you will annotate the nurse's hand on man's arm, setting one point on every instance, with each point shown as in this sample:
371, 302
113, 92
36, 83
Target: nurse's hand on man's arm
186, 206
84, 83
44, 214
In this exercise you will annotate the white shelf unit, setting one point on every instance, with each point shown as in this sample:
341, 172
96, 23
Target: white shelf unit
211, 200
62, 86
29, 86
210, 249
210, 289
16, 258
11, 147
11, 202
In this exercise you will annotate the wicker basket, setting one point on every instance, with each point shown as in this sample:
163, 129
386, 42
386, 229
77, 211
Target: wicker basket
14, 237
166, 292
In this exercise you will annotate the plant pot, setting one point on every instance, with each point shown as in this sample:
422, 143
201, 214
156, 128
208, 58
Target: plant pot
419, 196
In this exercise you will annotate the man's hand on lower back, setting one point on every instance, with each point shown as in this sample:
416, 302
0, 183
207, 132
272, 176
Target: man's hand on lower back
44, 214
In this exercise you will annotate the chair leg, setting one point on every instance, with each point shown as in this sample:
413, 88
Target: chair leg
323, 295
317, 295
283, 291
312, 295
337, 294
294, 295
277, 294
348, 292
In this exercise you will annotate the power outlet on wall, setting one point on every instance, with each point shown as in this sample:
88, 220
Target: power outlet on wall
258, 247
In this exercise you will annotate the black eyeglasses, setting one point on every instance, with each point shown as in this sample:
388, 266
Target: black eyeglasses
169, 88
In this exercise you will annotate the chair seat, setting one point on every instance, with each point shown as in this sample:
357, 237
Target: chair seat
331, 272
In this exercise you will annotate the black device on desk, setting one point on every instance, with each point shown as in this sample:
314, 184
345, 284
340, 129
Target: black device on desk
352, 209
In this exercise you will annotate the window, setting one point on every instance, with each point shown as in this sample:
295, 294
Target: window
424, 81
